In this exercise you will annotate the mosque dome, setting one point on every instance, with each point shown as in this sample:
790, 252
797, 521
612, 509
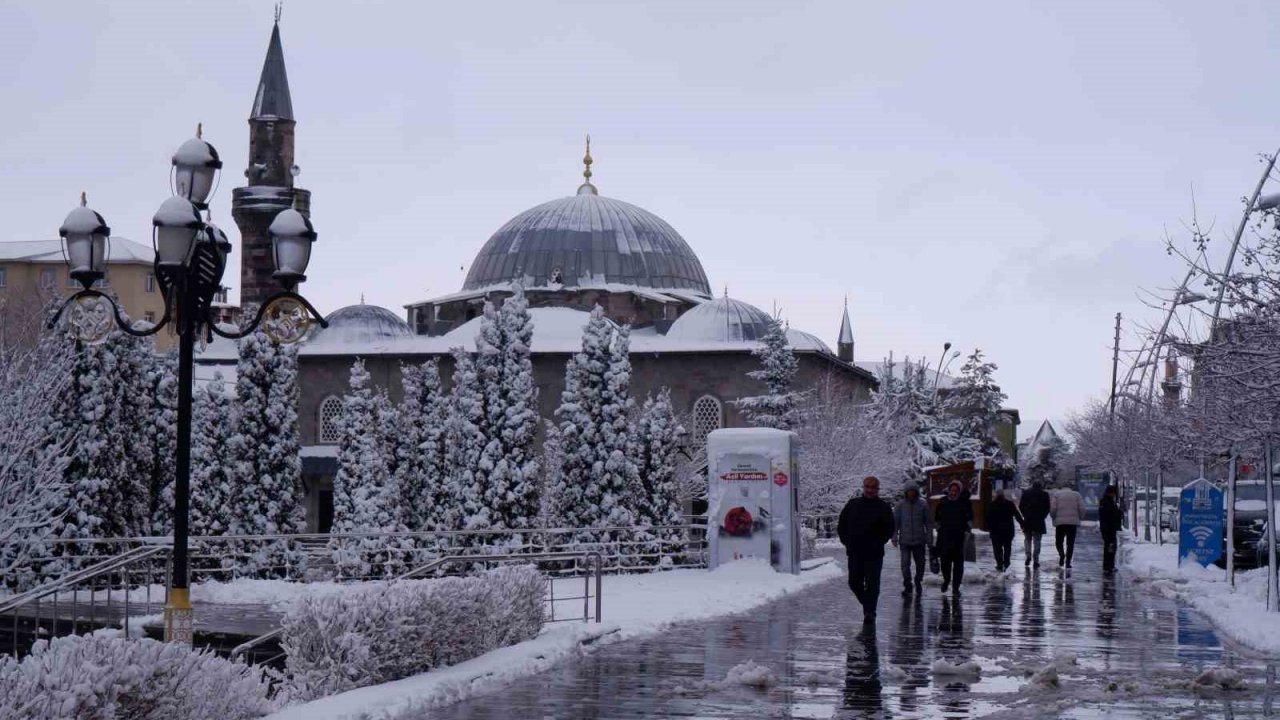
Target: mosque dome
801, 340
721, 320
587, 240
361, 324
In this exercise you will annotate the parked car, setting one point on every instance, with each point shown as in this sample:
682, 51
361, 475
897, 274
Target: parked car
1169, 508
1250, 521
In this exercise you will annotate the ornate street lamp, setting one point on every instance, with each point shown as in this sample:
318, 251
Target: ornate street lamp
191, 256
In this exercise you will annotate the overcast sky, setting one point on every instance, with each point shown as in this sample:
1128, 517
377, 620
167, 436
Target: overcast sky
999, 177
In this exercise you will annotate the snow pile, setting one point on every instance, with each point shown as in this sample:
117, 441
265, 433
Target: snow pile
367, 636
1046, 678
1218, 678
750, 674
894, 673
968, 668
1239, 612
634, 605
103, 677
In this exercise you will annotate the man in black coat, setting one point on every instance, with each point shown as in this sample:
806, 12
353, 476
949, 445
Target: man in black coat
1110, 516
866, 524
954, 519
1001, 516
1035, 509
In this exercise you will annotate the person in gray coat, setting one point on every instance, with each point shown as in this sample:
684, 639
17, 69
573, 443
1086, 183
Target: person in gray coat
912, 533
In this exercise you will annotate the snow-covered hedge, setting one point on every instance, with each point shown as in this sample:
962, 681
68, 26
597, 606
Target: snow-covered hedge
369, 635
104, 678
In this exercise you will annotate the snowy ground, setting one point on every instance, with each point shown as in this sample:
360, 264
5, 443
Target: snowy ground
1238, 613
634, 605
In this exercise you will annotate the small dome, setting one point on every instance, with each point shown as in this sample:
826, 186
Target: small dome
361, 324
721, 320
801, 340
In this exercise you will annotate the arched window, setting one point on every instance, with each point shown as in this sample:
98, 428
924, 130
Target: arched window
330, 413
708, 415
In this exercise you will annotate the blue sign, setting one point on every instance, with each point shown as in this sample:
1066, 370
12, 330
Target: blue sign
1201, 519
1091, 486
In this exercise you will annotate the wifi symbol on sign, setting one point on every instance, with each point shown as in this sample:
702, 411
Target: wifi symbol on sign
1201, 534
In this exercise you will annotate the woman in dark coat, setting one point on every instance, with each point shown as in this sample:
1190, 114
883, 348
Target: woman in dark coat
953, 519
1109, 518
1001, 516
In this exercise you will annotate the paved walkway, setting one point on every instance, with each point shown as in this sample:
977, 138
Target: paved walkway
1134, 654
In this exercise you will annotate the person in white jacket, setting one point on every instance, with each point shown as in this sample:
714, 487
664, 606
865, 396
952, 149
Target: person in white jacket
1066, 507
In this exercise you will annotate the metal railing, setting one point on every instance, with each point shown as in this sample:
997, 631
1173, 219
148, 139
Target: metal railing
116, 577
594, 570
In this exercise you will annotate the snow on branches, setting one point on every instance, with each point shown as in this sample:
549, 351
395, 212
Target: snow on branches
776, 408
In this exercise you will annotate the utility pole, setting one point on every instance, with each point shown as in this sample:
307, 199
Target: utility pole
1115, 365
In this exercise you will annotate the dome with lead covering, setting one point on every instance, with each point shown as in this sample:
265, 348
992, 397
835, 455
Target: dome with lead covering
721, 320
588, 241
360, 324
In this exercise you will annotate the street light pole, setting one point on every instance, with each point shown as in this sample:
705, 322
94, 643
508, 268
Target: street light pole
190, 259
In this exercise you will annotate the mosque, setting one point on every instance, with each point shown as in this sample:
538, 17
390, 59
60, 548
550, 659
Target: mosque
569, 254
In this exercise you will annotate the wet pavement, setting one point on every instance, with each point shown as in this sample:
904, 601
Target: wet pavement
1119, 652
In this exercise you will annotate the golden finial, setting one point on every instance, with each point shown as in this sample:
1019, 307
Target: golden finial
586, 160
199, 130
279, 7
84, 201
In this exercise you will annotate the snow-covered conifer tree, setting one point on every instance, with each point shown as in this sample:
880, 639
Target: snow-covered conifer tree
658, 501
461, 505
421, 460
364, 492
162, 377
974, 404
211, 478
1048, 464
776, 408
267, 496
598, 475
505, 371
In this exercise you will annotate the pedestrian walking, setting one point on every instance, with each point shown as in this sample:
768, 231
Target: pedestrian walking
912, 533
1034, 506
865, 525
953, 519
1001, 516
1067, 509
1110, 516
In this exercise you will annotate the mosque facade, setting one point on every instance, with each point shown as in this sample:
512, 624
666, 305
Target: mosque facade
569, 255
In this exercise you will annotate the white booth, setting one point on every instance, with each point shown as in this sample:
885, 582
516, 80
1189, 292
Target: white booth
752, 497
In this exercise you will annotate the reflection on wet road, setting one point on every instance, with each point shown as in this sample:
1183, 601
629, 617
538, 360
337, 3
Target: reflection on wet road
1118, 652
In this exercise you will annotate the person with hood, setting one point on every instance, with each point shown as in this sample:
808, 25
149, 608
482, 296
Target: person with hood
1001, 515
1067, 509
912, 533
866, 524
1035, 509
1109, 518
954, 519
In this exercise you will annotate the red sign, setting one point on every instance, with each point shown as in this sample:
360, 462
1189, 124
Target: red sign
780, 479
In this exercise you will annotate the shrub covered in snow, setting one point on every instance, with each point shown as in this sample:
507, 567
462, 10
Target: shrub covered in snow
370, 635
103, 678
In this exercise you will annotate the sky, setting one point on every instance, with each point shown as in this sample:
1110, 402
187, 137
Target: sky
1001, 176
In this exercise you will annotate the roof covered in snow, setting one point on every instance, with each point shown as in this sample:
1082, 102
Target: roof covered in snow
586, 240
359, 325
721, 320
363, 330
41, 251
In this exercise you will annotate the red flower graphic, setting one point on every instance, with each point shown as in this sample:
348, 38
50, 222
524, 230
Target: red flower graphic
737, 522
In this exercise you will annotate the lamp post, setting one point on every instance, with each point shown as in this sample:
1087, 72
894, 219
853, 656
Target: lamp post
938, 375
191, 256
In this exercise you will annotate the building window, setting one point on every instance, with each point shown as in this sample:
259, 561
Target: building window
708, 415
48, 278
330, 417
149, 316
4, 276
150, 282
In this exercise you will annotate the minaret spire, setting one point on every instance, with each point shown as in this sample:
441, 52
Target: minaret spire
844, 345
273, 99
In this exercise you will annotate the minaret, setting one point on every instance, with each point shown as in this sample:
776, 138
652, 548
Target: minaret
269, 176
844, 346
